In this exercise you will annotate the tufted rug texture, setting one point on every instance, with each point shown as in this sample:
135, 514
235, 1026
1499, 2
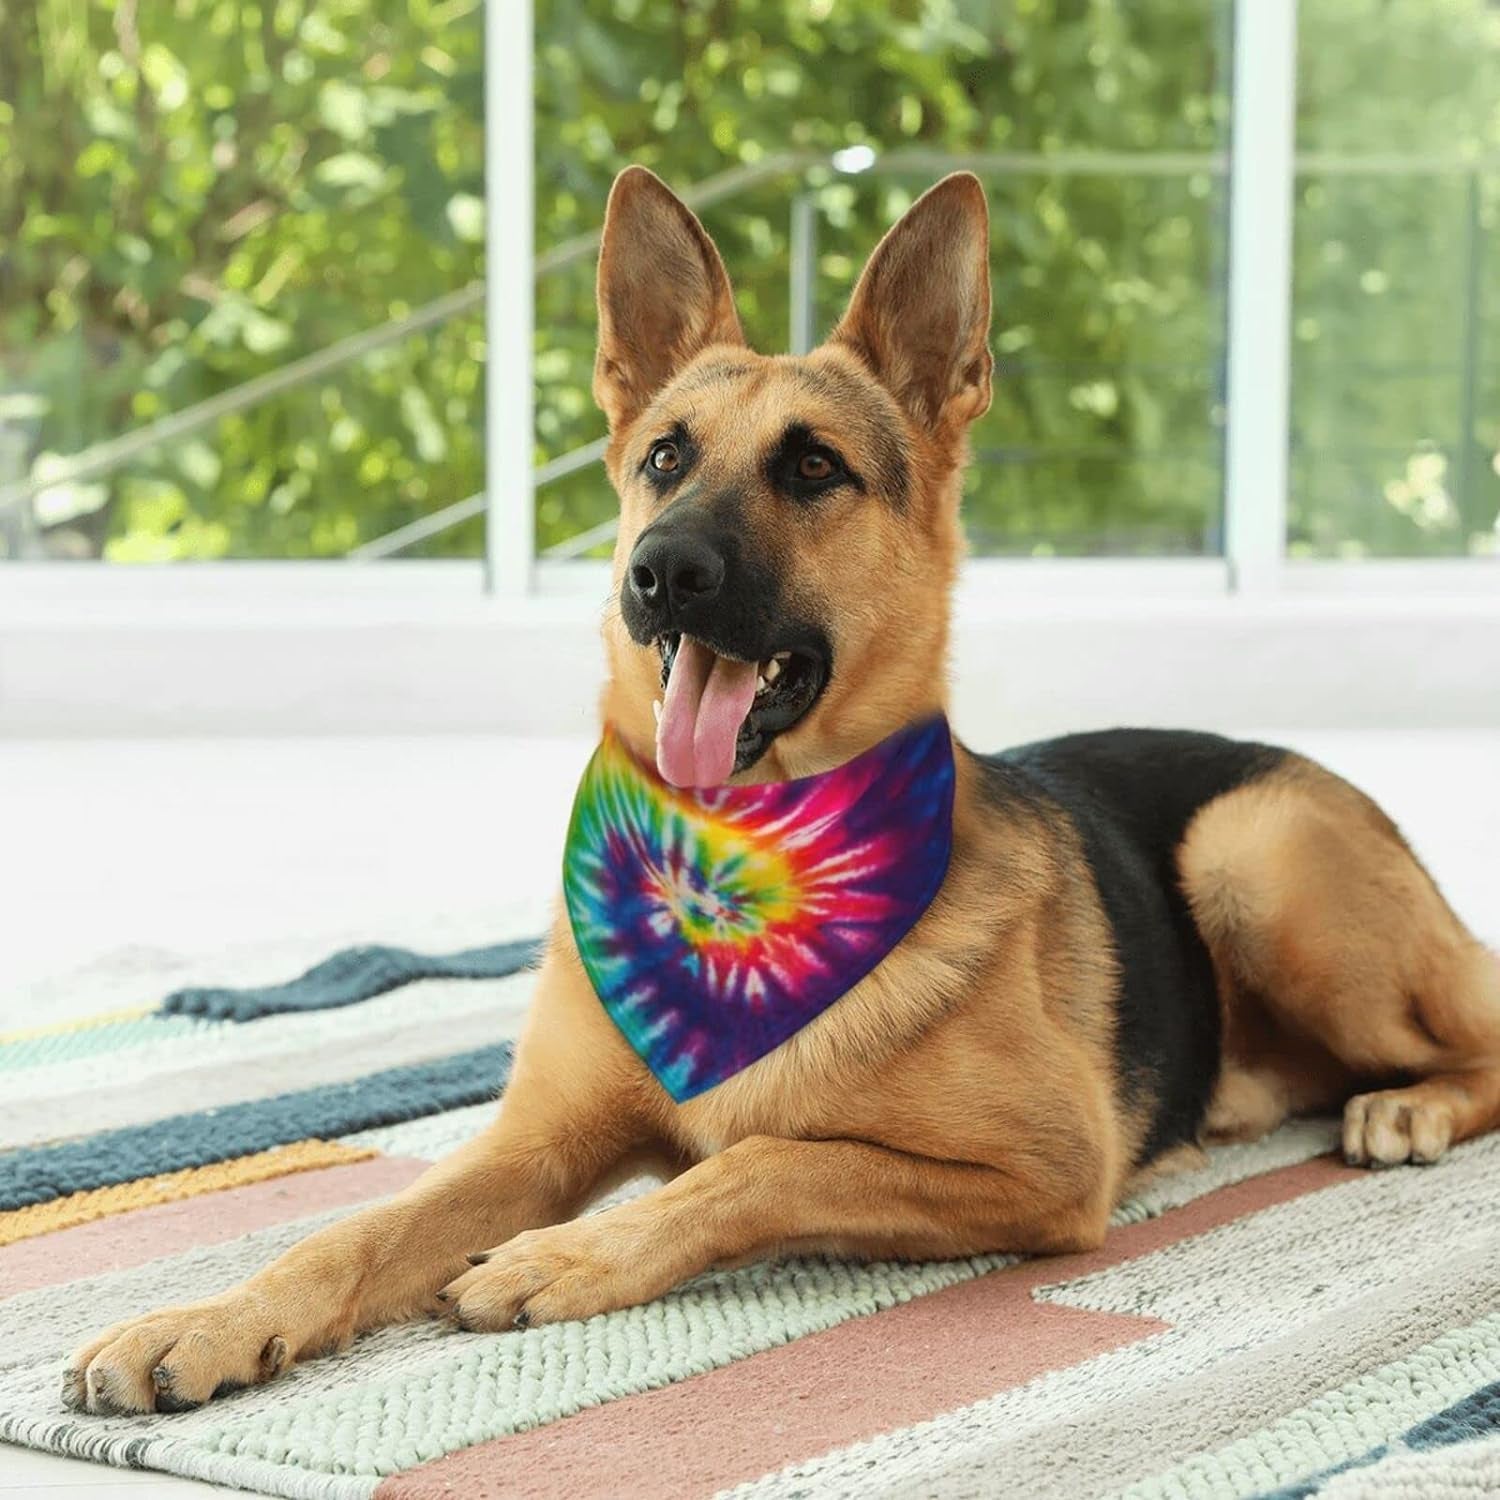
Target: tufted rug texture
1273, 1323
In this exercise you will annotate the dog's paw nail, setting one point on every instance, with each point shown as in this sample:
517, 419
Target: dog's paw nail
521, 1320
161, 1379
444, 1295
273, 1357
480, 1258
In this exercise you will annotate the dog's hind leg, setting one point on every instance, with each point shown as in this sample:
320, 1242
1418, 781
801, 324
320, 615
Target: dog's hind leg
1249, 1102
1343, 970
1419, 1122
1459, 1096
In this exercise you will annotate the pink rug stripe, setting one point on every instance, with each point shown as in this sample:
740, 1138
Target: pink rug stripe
850, 1383
131, 1239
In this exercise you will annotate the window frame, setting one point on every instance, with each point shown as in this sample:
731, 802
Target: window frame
1261, 164
296, 617
1255, 563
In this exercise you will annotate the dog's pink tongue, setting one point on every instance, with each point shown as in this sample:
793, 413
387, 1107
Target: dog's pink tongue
707, 699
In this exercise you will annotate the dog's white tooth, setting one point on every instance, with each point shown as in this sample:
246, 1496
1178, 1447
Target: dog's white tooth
773, 670
656, 709
760, 686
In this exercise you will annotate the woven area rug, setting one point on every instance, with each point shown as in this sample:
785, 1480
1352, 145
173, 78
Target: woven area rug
1272, 1324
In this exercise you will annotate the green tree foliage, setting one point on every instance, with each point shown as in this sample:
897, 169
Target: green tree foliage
1107, 285
1396, 326
193, 192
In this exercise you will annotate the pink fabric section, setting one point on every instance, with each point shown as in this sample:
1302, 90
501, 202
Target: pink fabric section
131, 1239
823, 1392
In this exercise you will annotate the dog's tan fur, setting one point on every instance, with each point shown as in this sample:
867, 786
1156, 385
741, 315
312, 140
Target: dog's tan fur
963, 1097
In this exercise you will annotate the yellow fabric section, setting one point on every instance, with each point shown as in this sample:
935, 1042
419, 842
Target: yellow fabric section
98, 1203
82, 1023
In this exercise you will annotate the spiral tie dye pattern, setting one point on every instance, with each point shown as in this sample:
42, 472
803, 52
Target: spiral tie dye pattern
715, 923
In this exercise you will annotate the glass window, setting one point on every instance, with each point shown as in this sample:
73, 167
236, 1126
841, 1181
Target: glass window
1396, 349
196, 194
1100, 131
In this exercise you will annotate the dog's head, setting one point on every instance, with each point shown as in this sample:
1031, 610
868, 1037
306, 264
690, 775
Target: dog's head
789, 527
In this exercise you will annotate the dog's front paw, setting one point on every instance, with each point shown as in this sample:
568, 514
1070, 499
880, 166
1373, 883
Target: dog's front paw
1395, 1126
550, 1275
174, 1360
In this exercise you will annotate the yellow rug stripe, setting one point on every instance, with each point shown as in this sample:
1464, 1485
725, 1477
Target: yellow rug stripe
82, 1023
98, 1203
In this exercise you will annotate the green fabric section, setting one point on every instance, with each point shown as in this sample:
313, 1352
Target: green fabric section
1342, 1425
90, 1041
474, 1387
466, 1389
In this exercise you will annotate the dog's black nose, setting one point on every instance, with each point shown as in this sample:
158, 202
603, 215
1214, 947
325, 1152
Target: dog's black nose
674, 568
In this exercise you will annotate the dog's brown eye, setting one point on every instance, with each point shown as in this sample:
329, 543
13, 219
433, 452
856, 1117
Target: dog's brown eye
665, 457
806, 470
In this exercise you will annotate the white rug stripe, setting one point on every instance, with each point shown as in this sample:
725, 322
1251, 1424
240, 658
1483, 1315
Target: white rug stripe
276, 1055
428, 1138
172, 1456
43, 1324
1134, 1438
1296, 1141
228, 1043
39, 1328
1304, 1442
1460, 1471
1346, 1241
131, 977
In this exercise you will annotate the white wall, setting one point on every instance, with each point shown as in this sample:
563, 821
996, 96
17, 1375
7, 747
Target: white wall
311, 651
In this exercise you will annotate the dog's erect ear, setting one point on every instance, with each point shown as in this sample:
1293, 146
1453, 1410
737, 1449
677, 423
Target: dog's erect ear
663, 294
920, 314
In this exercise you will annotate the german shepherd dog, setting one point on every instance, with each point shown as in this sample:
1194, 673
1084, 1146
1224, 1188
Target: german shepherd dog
1144, 940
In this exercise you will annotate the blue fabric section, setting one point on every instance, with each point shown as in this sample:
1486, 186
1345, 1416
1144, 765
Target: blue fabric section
351, 976
43, 1173
1305, 1489
1477, 1415
715, 923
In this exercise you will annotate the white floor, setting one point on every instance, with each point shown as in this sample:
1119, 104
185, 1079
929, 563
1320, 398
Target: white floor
205, 844
190, 847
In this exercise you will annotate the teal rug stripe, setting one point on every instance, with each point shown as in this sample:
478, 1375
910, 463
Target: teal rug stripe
351, 976
90, 1041
1476, 1416
40, 1174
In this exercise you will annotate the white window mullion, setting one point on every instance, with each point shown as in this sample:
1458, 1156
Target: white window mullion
510, 530
1262, 170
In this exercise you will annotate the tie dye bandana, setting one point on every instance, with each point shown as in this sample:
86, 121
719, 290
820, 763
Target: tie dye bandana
716, 922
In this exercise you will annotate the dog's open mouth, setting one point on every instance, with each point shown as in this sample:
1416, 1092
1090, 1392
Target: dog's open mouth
719, 713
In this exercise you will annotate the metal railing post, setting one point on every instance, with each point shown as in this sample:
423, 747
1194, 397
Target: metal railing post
103, 458
1468, 414
1257, 374
1261, 191
802, 255
17, 522
509, 399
